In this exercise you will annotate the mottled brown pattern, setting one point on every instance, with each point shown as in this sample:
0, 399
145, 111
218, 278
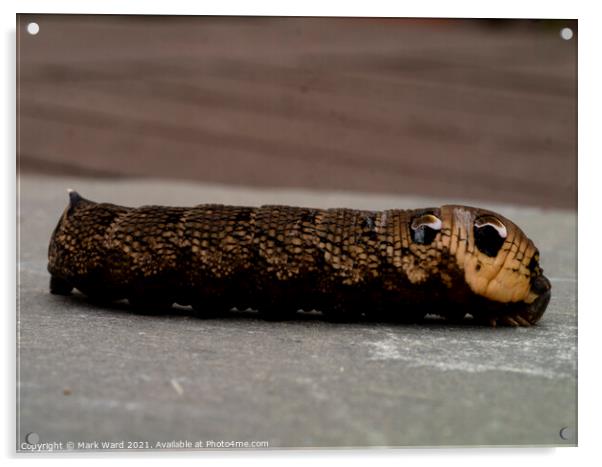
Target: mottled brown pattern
279, 259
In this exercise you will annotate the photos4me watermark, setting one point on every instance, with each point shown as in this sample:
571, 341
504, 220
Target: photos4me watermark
210, 444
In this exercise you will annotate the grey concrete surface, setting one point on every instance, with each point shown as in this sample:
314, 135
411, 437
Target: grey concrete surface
87, 373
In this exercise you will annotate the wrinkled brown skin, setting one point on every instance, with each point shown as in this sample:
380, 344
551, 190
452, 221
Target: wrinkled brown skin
279, 259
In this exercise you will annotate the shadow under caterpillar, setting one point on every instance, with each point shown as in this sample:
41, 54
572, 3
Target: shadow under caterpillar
451, 261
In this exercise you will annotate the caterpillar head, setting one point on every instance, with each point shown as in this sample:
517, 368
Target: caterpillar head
498, 261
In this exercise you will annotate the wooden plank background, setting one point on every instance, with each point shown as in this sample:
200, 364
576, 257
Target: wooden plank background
459, 108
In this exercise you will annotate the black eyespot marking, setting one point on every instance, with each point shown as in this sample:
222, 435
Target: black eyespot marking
425, 228
489, 235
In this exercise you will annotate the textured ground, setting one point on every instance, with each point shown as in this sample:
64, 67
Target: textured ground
96, 374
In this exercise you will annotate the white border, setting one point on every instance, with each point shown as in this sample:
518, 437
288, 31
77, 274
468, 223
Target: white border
590, 152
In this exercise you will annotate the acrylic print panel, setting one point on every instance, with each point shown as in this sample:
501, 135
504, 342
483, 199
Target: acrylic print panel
369, 114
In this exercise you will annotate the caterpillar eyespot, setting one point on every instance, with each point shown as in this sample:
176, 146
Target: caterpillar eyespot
494, 222
490, 234
425, 228
452, 261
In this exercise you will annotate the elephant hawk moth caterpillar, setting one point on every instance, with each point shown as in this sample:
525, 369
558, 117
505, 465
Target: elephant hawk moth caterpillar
457, 262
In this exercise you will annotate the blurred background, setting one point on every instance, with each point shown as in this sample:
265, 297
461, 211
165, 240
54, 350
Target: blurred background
477, 109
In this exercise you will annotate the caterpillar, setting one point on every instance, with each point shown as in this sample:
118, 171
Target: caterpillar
460, 263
